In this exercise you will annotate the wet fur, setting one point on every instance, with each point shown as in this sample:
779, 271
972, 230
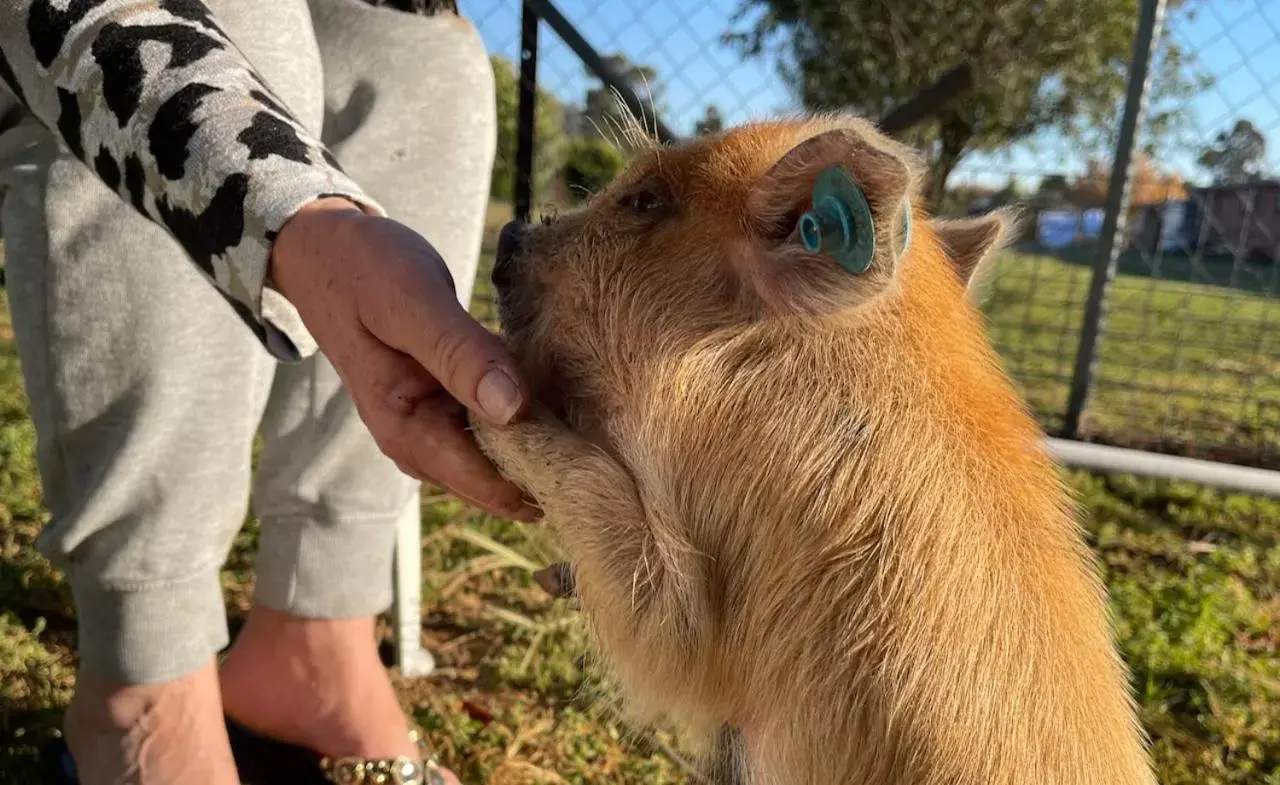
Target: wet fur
805, 504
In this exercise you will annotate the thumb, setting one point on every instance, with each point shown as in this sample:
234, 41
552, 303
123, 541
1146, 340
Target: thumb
425, 321
472, 364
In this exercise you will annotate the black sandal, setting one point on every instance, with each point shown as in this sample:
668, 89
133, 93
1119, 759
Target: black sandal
264, 761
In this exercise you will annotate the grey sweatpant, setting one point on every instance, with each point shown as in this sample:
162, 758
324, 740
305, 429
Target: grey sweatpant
147, 390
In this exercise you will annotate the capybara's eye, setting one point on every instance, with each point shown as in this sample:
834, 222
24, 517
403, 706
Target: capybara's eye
643, 202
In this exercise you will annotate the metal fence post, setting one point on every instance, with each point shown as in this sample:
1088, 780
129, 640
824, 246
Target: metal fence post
414, 661
1110, 241
598, 65
526, 123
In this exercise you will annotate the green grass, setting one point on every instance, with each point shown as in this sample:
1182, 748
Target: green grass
1193, 574
1184, 367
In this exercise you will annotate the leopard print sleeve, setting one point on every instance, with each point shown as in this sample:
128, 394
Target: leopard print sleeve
157, 100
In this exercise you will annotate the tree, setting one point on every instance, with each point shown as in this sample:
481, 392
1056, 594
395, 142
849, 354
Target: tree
964, 200
549, 138
603, 108
1054, 191
590, 165
1038, 64
1236, 156
1147, 186
1009, 195
711, 122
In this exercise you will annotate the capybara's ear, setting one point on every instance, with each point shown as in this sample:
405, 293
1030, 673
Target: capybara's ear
829, 222
971, 243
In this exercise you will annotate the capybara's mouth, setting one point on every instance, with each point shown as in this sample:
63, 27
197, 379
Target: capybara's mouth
552, 395
556, 579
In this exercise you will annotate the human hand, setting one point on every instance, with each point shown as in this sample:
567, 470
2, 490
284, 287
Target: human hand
382, 307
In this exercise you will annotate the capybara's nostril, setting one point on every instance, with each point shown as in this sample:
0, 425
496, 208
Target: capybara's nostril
509, 243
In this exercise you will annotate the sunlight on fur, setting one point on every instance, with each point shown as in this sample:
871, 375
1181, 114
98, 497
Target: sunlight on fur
810, 518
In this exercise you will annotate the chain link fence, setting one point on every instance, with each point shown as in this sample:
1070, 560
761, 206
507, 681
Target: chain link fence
1186, 359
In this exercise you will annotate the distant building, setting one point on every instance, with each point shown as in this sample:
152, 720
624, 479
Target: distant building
1160, 227
1237, 220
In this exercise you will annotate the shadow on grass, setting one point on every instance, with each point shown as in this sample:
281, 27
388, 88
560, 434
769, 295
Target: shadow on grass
22, 734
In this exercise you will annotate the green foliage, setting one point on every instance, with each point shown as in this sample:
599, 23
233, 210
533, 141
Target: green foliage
549, 136
1037, 64
590, 165
1236, 156
1194, 580
1010, 194
1193, 577
1054, 191
1191, 391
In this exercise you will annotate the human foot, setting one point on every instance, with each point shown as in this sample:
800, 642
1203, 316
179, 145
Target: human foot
150, 734
315, 683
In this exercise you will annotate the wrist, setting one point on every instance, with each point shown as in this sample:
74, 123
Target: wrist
305, 235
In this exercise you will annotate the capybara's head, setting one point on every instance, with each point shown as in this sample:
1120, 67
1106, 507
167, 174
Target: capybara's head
696, 242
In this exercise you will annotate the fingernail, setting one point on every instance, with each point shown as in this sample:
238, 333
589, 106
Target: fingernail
498, 396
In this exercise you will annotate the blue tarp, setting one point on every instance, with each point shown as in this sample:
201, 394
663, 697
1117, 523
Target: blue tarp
1061, 228
1091, 223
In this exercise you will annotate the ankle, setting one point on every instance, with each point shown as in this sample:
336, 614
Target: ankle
301, 644
102, 703
149, 733
314, 682
310, 662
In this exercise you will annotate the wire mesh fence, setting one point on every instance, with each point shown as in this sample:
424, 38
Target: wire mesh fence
1186, 359
1191, 362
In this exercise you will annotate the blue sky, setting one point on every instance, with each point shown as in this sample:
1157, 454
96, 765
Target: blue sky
1237, 41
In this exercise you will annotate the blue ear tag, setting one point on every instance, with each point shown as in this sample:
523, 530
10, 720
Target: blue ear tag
840, 222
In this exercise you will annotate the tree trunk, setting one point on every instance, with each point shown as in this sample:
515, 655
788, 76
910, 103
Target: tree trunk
954, 135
